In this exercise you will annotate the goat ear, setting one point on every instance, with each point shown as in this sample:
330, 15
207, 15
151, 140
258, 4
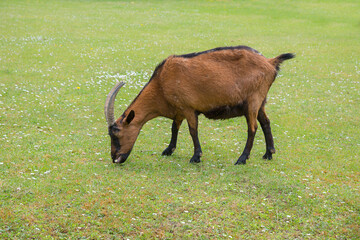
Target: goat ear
130, 117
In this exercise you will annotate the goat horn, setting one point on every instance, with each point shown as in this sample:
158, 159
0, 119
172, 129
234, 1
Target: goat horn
109, 104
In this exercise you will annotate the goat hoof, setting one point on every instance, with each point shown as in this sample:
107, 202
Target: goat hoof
168, 151
238, 162
242, 160
195, 159
268, 154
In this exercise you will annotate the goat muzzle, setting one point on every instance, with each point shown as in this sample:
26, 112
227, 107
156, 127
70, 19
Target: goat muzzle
122, 158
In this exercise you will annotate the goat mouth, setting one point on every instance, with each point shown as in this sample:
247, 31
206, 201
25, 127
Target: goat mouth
122, 158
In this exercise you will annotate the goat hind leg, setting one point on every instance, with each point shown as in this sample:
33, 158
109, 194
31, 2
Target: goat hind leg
265, 126
174, 134
192, 120
252, 127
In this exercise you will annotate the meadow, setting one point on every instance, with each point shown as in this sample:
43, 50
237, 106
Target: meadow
58, 61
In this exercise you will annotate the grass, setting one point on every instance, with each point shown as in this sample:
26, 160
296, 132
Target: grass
59, 59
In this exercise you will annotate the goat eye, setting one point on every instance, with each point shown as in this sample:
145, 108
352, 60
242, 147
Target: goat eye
115, 130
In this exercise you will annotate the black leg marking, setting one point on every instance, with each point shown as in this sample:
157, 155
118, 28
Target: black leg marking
252, 127
174, 134
193, 128
265, 126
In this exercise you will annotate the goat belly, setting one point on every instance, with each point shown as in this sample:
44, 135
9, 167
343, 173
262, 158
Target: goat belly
225, 112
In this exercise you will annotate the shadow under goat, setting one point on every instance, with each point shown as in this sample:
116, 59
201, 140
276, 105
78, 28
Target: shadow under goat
220, 83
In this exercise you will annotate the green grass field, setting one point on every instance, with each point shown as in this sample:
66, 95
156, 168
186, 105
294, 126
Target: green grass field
58, 61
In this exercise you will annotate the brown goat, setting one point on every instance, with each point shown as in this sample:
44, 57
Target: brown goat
220, 83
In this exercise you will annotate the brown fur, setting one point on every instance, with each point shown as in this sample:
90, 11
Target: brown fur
220, 84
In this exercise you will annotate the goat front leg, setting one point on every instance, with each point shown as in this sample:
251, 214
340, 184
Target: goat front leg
265, 126
192, 120
174, 134
252, 127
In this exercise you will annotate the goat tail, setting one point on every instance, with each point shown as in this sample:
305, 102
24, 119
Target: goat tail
279, 59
